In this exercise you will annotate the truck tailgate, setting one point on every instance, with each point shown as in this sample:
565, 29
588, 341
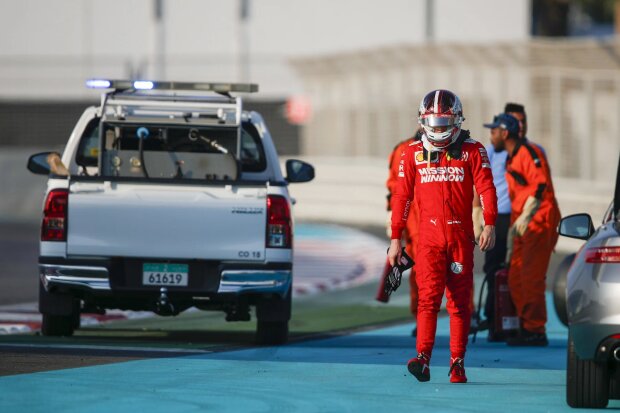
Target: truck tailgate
167, 221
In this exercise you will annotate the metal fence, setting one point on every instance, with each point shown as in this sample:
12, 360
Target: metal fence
364, 103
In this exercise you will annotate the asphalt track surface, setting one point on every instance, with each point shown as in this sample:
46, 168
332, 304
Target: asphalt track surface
333, 363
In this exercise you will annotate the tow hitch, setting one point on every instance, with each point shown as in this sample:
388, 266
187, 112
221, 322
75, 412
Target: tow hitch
163, 305
239, 312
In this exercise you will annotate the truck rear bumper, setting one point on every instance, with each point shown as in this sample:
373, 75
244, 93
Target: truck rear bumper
96, 279
74, 276
255, 281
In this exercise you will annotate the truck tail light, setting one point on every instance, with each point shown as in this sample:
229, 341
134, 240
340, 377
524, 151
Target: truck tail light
54, 225
278, 222
603, 255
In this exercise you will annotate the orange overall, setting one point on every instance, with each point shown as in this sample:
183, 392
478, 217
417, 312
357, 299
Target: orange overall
411, 231
528, 175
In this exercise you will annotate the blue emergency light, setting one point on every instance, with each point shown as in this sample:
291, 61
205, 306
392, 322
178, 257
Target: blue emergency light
98, 84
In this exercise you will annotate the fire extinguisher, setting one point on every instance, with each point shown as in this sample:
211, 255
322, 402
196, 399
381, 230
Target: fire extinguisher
506, 321
382, 296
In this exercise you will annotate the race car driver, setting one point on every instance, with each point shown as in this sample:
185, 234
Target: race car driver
442, 170
534, 218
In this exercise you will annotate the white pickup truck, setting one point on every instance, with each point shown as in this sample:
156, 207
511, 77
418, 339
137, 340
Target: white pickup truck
168, 196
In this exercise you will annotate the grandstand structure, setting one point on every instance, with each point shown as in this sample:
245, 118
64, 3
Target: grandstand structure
364, 102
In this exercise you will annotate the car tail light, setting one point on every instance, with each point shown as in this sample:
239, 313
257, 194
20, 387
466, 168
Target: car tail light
278, 222
603, 255
54, 226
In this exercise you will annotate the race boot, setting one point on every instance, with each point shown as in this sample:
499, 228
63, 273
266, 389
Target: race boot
419, 367
457, 370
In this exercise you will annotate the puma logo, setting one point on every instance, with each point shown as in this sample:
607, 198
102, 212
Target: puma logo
434, 221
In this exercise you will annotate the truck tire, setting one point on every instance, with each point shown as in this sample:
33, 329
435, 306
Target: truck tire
58, 325
61, 313
587, 381
271, 332
559, 288
273, 315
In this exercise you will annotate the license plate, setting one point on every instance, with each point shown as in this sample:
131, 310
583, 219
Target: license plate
165, 274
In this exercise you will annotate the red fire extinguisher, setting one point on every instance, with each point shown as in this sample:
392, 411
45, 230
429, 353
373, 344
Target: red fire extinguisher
506, 322
382, 296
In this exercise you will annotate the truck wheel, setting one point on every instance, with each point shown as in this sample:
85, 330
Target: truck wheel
559, 288
58, 325
271, 332
273, 315
587, 381
61, 313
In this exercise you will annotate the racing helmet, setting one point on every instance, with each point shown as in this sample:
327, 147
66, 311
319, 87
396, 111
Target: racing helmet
441, 116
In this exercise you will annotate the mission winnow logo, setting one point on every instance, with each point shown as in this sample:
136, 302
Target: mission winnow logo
442, 174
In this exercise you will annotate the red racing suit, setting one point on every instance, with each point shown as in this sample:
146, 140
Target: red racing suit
443, 184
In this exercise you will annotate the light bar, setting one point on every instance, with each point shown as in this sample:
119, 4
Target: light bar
157, 85
143, 85
98, 84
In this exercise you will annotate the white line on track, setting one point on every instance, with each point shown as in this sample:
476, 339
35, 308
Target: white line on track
110, 348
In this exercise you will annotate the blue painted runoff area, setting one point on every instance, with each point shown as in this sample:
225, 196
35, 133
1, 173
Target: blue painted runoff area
362, 372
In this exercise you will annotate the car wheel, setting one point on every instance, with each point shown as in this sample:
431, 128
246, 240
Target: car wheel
58, 325
587, 381
559, 288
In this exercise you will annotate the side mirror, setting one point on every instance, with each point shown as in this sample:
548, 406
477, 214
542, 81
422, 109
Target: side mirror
46, 163
299, 171
37, 163
577, 226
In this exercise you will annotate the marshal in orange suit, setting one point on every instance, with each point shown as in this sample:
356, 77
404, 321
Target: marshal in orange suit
533, 231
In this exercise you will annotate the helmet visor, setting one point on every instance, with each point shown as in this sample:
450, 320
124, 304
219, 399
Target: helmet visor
434, 121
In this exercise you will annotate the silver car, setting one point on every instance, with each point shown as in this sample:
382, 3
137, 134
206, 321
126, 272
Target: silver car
587, 299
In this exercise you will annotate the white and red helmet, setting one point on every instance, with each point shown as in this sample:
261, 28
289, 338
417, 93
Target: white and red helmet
441, 116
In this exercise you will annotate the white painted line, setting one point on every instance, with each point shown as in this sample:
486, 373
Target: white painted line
110, 348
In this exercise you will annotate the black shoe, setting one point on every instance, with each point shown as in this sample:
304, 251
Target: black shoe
528, 338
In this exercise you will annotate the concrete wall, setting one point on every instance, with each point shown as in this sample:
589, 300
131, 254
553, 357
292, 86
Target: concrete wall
22, 192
